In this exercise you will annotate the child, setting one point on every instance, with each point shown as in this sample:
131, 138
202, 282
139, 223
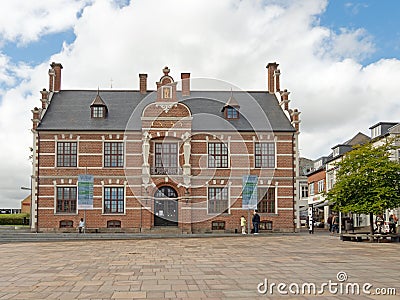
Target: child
243, 224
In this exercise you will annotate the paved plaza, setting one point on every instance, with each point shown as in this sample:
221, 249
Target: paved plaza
196, 268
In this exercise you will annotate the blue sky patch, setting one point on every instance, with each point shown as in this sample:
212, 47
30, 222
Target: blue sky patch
379, 18
36, 52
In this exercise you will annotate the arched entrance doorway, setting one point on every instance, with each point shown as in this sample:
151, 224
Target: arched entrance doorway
165, 207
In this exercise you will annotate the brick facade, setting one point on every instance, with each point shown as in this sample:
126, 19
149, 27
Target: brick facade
163, 122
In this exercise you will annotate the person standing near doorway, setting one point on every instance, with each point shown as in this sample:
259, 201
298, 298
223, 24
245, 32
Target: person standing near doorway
256, 221
81, 225
243, 224
329, 221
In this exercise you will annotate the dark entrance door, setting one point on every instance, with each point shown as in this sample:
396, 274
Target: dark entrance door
165, 207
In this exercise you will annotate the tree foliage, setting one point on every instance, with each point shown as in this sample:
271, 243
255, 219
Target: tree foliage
367, 181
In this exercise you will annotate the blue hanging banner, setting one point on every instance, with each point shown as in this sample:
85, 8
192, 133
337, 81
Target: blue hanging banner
249, 192
85, 191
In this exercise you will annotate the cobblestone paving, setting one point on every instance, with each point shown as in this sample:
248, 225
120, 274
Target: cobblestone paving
193, 268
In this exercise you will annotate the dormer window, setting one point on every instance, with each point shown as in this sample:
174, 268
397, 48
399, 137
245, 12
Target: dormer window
232, 113
98, 108
336, 152
376, 131
98, 112
231, 108
318, 164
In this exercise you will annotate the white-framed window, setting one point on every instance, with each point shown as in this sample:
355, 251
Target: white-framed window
67, 154
336, 152
264, 155
320, 186
311, 189
113, 154
114, 200
166, 158
318, 164
66, 199
218, 155
304, 191
98, 112
218, 200
267, 201
231, 113
376, 131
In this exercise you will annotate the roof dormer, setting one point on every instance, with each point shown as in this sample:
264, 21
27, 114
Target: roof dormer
166, 88
381, 129
98, 108
231, 108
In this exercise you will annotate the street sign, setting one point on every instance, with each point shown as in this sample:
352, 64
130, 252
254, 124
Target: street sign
249, 192
85, 191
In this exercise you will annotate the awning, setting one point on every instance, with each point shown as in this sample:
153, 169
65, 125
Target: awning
325, 203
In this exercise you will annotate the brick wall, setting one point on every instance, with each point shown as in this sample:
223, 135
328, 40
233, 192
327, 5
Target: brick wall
192, 210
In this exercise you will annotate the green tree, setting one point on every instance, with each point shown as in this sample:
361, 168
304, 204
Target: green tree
367, 181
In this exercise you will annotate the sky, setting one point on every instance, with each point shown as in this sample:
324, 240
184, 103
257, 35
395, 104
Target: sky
340, 59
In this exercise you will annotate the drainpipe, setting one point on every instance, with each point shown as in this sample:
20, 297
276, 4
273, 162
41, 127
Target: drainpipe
293, 184
37, 180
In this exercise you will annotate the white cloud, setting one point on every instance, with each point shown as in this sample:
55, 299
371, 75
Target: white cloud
24, 21
230, 40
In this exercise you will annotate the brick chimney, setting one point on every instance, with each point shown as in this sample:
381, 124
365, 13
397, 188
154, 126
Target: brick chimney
36, 118
185, 84
57, 79
143, 83
272, 67
285, 100
295, 119
277, 74
45, 98
52, 74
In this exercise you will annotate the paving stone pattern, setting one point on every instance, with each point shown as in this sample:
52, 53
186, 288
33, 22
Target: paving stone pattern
191, 268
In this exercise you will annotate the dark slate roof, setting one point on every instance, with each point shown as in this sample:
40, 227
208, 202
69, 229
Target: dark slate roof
359, 139
70, 110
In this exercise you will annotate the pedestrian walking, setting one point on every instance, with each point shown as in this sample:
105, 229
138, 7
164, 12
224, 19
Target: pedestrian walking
243, 224
392, 223
379, 223
335, 224
256, 221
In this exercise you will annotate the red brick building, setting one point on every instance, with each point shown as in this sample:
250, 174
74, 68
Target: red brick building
163, 157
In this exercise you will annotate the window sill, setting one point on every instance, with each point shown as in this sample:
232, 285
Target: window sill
70, 168
65, 214
111, 168
113, 214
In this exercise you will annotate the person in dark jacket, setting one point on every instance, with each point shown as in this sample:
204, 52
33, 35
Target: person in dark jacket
256, 221
329, 221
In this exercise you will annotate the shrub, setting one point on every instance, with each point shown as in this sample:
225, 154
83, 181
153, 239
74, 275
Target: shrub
14, 219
